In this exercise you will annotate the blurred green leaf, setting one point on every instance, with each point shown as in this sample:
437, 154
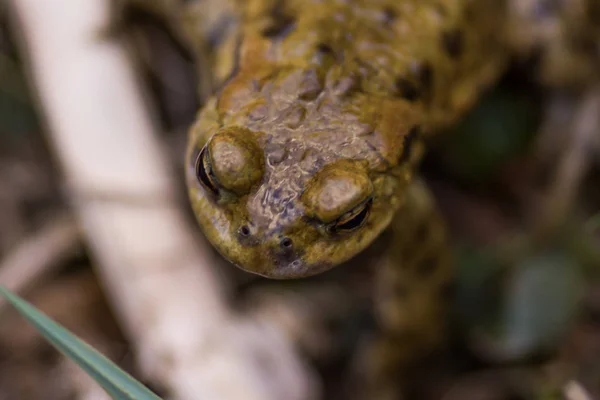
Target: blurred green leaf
116, 382
516, 311
497, 130
542, 297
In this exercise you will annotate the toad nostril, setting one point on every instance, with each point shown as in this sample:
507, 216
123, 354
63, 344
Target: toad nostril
286, 243
244, 230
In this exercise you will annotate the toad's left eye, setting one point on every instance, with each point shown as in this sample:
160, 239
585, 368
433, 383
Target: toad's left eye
339, 196
353, 219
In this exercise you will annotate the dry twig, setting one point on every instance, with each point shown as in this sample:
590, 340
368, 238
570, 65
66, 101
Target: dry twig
39, 254
574, 162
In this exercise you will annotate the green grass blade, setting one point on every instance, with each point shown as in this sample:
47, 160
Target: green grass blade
116, 382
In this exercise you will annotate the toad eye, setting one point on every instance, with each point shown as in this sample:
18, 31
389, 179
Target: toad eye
231, 163
339, 196
204, 172
353, 219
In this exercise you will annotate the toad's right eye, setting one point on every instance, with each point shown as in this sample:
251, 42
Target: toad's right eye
204, 172
231, 163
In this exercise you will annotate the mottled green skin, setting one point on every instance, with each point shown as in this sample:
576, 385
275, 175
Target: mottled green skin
328, 89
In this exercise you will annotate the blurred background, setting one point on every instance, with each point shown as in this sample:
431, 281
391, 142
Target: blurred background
524, 221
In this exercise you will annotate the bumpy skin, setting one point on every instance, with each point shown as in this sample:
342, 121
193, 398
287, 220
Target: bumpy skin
320, 116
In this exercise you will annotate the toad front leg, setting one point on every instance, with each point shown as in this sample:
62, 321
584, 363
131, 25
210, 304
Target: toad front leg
409, 307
